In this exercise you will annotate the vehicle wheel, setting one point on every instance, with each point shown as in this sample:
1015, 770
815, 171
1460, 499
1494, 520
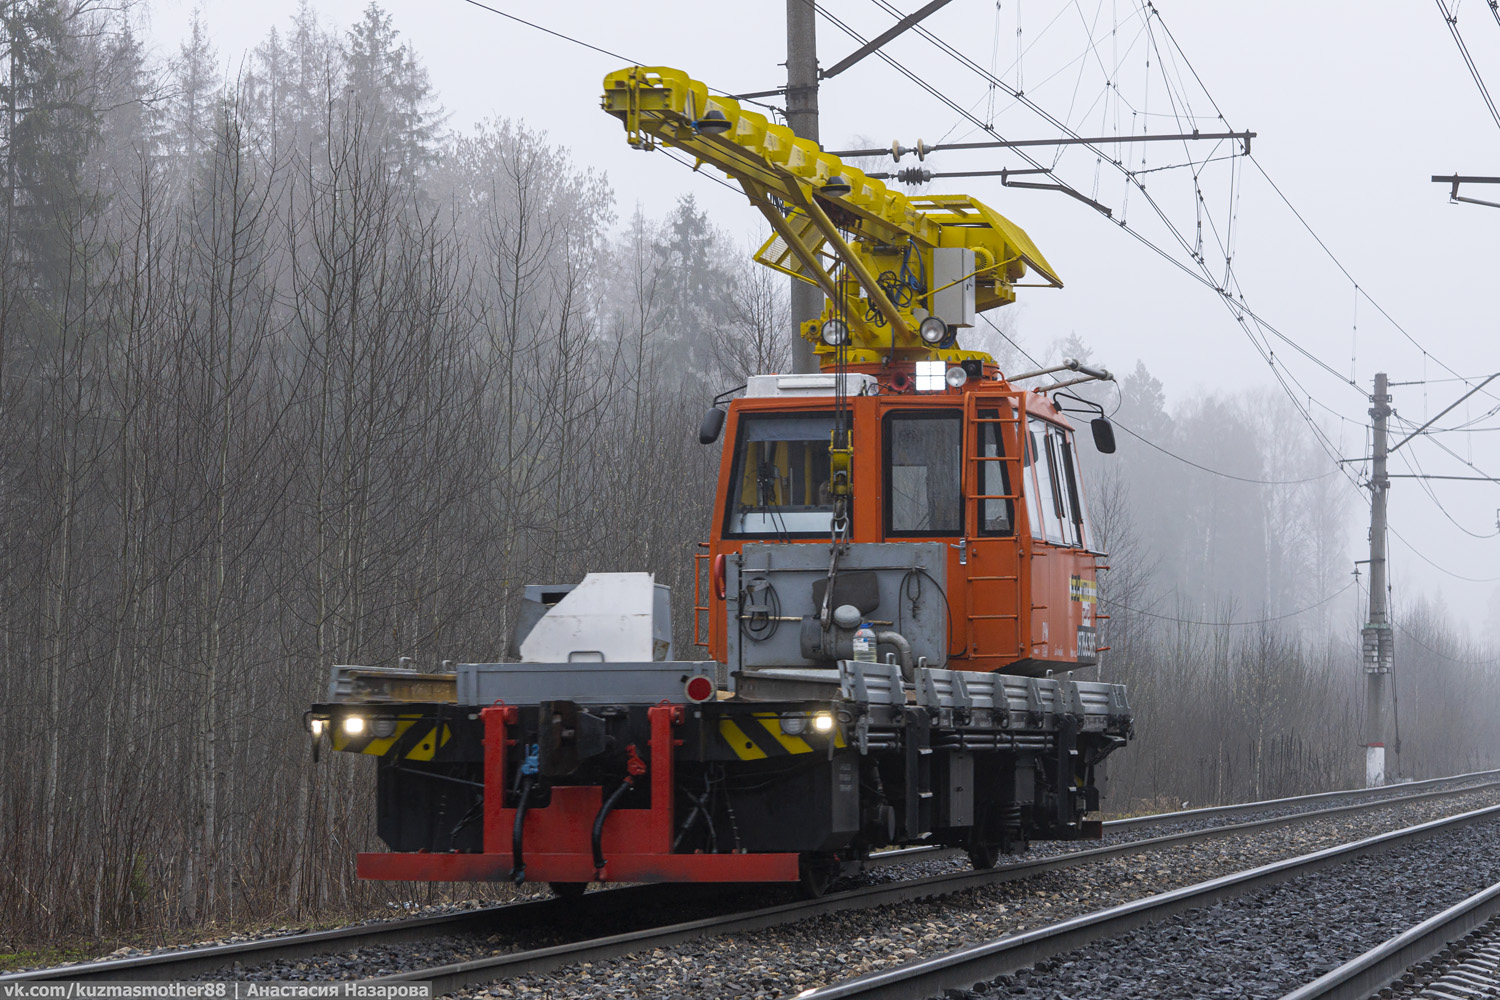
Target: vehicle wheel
815, 875
568, 890
984, 856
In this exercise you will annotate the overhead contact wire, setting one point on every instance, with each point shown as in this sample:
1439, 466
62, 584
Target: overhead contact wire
1452, 19
1204, 278
1256, 621
588, 45
1359, 288
1216, 472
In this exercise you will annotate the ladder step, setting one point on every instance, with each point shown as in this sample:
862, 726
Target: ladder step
981, 618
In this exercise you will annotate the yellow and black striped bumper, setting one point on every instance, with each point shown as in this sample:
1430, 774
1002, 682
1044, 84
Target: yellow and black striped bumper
759, 735
413, 738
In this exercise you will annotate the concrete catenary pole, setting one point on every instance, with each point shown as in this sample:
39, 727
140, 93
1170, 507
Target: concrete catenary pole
802, 119
1377, 643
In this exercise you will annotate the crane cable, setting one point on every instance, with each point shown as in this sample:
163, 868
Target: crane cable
840, 447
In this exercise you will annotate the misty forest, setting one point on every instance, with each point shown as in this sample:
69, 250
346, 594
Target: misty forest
295, 371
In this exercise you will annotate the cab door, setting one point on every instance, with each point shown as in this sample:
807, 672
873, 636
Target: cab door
1060, 573
990, 552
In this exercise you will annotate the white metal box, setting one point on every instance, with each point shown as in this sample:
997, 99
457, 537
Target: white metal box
608, 618
954, 267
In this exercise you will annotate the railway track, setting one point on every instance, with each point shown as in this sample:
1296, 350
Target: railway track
1455, 954
630, 902
964, 968
900, 855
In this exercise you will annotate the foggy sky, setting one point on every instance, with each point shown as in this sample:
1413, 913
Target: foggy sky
1355, 106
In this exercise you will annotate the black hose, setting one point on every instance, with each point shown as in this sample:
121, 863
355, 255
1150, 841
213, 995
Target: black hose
517, 859
687, 825
475, 811
598, 838
699, 808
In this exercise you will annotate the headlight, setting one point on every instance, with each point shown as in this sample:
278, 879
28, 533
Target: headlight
834, 332
933, 330
823, 722
793, 725
956, 377
317, 728
353, 725
383, 728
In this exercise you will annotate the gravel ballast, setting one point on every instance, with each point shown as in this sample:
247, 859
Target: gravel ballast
783, 961
786, 960
1268, 943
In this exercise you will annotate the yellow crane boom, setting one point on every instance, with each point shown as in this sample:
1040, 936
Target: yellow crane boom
884, 259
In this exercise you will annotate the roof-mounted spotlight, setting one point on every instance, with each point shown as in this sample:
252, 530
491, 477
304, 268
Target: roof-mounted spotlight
930, 376
836, 187
713, 122
834, 332
933, 330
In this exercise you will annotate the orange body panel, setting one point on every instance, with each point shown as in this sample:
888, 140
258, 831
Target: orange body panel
1018, 603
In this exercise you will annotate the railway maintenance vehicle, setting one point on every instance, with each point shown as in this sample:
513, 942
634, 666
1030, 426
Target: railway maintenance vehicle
898, 594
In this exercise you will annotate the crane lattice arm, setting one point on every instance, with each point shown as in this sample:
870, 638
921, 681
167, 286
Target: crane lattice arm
826, 213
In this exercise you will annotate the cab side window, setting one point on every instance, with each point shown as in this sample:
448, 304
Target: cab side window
1075, 499
1055, 506
1042, 502
923, 461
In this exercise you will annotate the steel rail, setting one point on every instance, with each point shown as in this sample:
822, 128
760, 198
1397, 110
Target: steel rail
459, 975
188, 962
983, 962
901, 855
1366, 975
1243, 807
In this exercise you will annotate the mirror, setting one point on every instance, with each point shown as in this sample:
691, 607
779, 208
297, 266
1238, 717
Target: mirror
1104, 435
713, 425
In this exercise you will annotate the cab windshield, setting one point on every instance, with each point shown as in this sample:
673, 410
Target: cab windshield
780, 483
